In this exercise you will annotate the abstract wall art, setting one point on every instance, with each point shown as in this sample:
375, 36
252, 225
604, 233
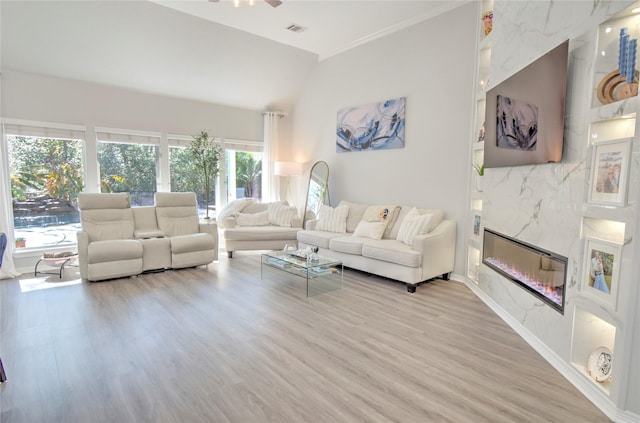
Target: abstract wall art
376, 126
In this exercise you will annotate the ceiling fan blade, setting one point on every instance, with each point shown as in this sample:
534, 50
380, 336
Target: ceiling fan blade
274, 3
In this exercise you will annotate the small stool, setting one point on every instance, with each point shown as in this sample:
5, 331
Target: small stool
61, 261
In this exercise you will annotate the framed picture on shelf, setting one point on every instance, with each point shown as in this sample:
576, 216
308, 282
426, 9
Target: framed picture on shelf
610, 172
477, 219
601, 268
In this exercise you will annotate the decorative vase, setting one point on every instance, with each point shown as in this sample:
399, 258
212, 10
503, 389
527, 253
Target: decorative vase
479, 183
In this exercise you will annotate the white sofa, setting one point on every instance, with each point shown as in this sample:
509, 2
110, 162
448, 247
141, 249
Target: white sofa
254, 227
426, 256
117, 240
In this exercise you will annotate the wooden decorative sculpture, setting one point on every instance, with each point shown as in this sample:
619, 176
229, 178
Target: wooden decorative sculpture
621, 83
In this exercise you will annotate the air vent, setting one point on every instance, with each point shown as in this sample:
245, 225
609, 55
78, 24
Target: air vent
296, 28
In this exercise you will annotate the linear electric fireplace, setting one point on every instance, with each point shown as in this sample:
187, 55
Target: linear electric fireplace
538, 271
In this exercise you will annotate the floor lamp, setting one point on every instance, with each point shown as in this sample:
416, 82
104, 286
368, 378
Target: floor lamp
287, 169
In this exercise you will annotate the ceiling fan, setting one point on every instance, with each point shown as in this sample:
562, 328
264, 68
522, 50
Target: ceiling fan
272, 3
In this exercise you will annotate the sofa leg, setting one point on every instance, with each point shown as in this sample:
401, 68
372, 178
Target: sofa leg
411, 288
230, 254
446, 276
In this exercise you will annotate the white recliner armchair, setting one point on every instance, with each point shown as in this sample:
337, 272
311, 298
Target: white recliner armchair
192, 243
106, 245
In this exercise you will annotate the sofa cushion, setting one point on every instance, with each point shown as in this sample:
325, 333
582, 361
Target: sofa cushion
347, 245
232, 208
317, 238
436, 217
373, 230
253, 219
181, 244
260, 233
100, 201
412, 225
392, 251
356, 211
106, 224
332, 220
281, 214
255, 207
175, 221
382, 214
114, 250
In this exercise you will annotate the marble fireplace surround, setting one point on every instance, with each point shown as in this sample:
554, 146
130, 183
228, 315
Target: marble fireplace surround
541, 273
546, 205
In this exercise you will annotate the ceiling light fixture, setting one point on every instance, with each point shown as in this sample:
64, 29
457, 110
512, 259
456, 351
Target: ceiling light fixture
236, 3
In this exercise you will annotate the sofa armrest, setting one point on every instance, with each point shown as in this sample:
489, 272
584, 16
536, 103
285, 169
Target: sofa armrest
83, 253
211, 228
438, 249
230, 222
310, 225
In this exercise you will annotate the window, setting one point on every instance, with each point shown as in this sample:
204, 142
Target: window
129, 166
244, 170
46, 171
184, 175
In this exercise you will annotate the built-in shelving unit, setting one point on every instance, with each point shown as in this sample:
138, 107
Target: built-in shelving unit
483, 60
594, 324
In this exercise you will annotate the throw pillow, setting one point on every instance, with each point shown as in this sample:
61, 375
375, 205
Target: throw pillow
412, 225
332, 220
281, 215
232, 208
253, 219
373, 230
379, 214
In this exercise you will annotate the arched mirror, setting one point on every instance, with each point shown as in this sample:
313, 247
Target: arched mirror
317, 191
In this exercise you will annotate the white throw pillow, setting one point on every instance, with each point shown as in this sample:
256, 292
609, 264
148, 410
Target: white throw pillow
373, 230
412, 225
332, 220
253, 219
281, 214
379, 214
232, 208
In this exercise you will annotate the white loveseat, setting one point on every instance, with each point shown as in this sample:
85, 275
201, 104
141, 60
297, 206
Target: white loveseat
260, 226
410, 259
117, 240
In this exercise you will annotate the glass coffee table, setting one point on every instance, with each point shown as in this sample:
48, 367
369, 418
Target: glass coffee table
323, 274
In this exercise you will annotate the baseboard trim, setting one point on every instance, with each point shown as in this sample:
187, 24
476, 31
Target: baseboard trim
573, 375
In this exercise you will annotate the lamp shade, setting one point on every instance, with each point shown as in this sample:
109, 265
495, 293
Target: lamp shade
287, 168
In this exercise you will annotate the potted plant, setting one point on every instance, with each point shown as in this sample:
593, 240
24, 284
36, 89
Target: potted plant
21, 242
480, 170
206, 155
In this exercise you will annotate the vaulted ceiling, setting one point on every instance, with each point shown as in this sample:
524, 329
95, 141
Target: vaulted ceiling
199, 50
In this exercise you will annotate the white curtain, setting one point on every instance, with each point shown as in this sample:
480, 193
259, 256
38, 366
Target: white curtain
8, 269
270, 182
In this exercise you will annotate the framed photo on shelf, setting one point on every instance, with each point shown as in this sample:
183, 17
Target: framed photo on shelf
610, 172
476, 221
601, 269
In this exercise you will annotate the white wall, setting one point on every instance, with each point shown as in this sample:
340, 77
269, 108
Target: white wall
41, 98
432, 65
147, 47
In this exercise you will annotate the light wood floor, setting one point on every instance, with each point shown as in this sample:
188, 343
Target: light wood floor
221, 345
